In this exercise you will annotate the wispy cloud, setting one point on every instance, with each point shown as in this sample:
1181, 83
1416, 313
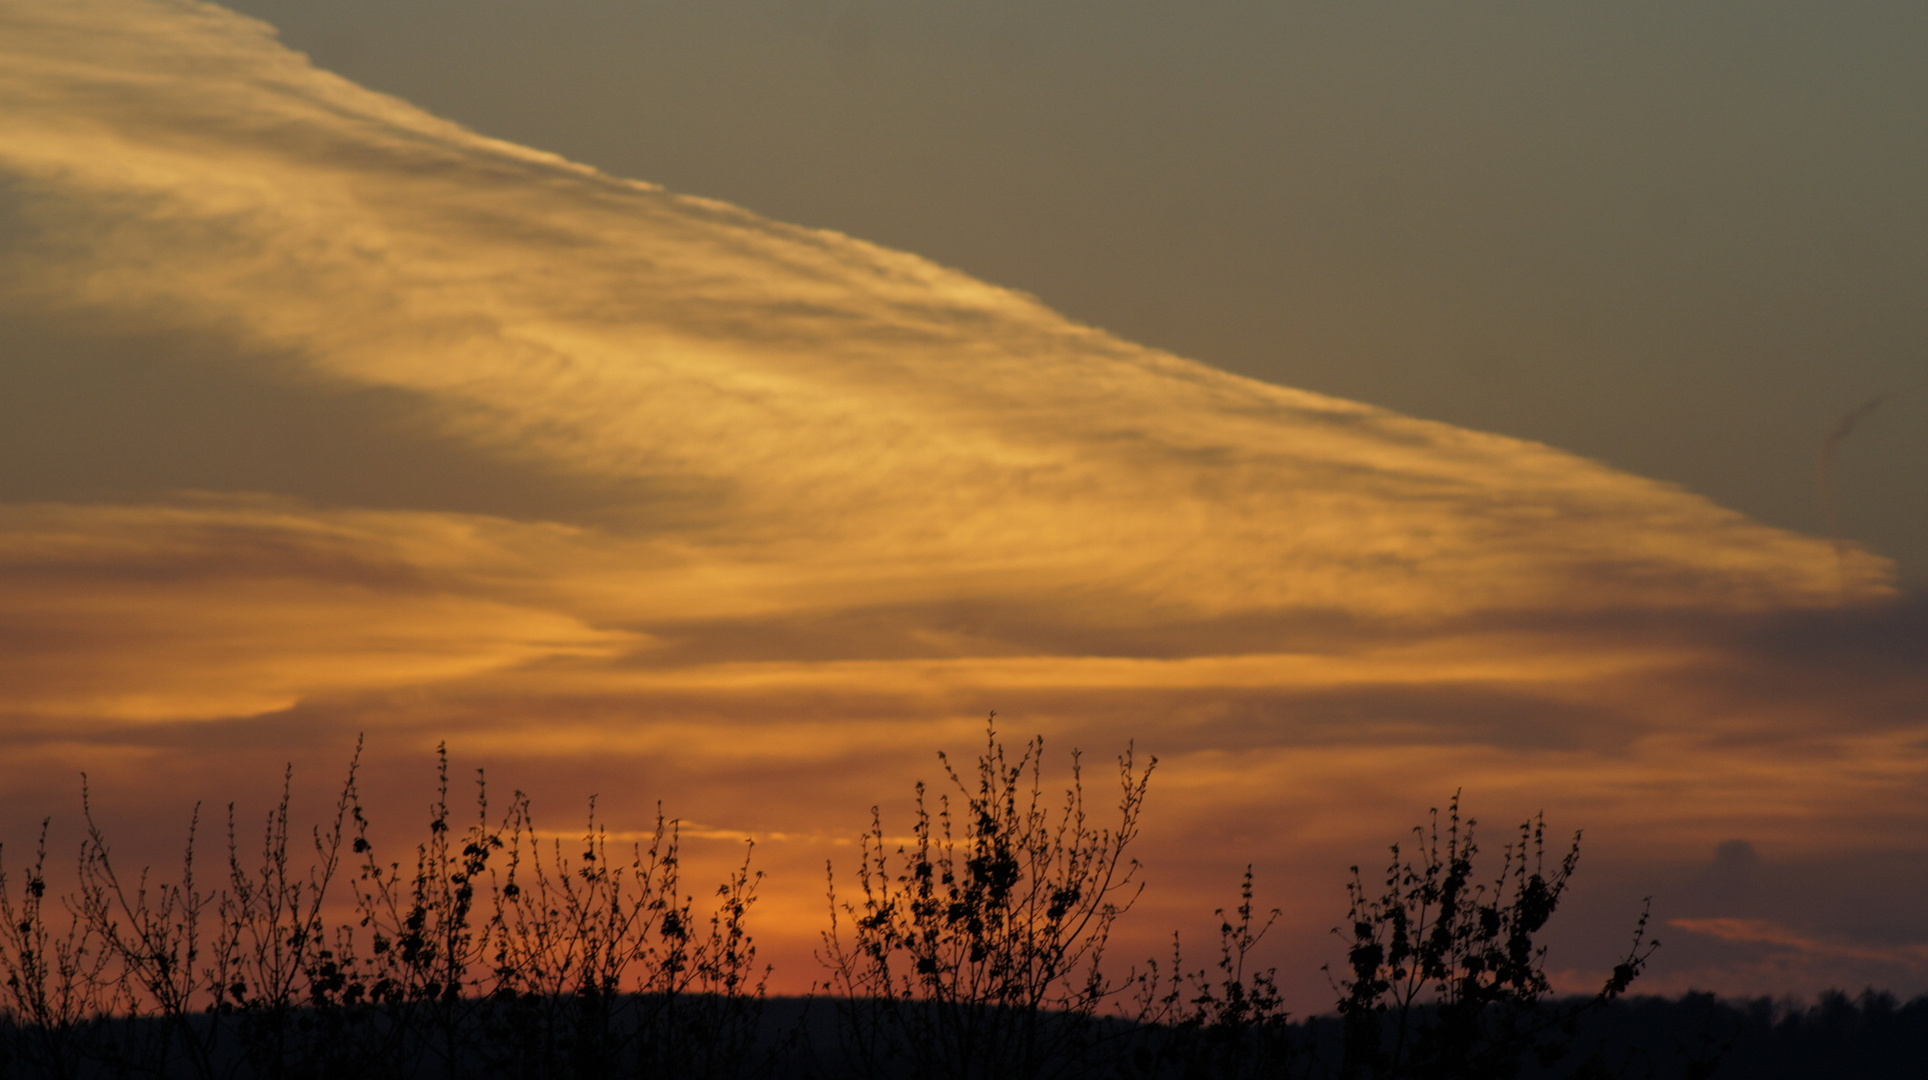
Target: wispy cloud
244, 607
1775, 936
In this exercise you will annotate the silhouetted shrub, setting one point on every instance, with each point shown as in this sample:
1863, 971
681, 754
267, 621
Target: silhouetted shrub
58, 988
977, 949
1227, 1022
1445, 978
493, 953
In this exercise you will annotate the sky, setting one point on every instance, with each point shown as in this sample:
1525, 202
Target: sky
1274, 411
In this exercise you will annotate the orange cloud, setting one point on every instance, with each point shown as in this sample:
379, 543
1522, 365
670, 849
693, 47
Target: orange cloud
1774, 935
243, 608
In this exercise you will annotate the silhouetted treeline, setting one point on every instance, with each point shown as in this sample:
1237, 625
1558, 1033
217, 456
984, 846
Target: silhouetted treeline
979, 948
1872, 1036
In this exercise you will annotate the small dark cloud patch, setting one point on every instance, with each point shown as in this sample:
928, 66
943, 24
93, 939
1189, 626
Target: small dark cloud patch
1732, 881
1736, 860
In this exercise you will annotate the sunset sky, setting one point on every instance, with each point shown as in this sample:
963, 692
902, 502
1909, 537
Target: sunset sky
432, 417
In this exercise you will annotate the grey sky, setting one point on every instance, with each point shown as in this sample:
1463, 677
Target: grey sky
1684, 239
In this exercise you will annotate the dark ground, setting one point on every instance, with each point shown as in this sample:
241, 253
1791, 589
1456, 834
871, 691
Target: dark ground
1869, 1037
